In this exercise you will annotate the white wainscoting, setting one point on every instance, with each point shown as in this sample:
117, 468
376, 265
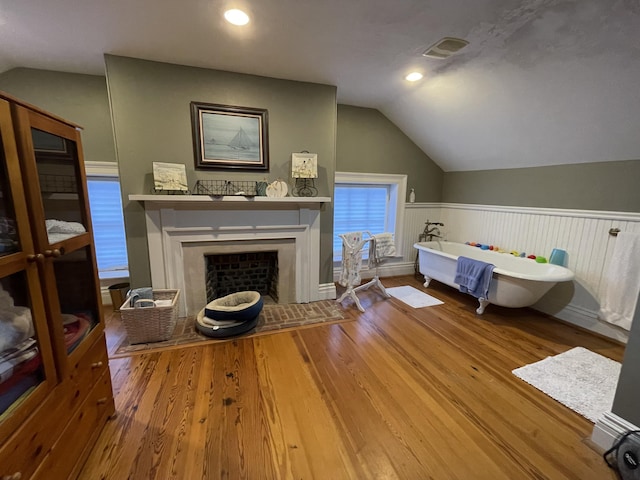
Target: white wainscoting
584, 234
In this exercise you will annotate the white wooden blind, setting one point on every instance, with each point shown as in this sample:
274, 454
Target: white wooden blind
108, 224
359, 208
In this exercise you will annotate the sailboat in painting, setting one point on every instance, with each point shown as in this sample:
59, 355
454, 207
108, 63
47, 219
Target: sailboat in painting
241, 140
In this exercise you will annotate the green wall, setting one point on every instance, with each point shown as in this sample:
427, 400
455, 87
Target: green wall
369, 142
608, 186
81, 99
152, 122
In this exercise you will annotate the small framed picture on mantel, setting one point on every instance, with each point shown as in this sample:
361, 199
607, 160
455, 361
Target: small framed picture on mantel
228, 137
170, 178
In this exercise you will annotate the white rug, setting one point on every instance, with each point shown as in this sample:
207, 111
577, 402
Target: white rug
578, 378
413, 297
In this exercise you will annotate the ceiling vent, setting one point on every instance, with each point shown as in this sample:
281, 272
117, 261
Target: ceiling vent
445, 48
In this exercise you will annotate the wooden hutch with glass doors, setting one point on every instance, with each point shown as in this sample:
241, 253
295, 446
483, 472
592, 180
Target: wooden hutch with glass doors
55, 386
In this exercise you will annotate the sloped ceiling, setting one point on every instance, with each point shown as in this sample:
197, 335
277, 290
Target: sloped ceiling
542, 82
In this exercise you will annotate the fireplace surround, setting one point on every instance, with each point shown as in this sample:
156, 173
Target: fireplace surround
181, 230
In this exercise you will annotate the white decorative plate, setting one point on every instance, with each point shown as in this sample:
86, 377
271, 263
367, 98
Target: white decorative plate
277, 189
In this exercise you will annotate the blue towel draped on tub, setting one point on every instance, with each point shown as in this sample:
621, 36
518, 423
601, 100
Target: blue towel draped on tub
474, 276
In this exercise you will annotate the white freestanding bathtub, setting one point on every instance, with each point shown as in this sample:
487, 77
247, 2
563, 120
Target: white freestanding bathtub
517, 282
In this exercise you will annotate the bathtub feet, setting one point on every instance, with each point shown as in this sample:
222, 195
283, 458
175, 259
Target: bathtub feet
483, 305
427, 281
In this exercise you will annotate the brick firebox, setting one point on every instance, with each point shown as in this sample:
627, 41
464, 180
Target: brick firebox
236, 272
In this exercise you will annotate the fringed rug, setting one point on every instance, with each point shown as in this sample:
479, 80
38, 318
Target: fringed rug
273, 318
580, 379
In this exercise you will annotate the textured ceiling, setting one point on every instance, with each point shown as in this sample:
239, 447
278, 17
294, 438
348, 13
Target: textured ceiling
542, 82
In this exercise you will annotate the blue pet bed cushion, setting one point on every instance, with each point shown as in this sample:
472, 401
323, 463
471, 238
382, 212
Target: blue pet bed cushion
222, 329
237, 307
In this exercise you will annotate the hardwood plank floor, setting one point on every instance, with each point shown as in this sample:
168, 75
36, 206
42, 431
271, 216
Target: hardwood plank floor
398, 393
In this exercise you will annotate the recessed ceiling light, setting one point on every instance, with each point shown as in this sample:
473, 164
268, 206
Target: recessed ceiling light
413, 76
237, 17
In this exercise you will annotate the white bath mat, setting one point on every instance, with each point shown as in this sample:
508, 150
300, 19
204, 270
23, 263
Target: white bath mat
413, 297
578, 378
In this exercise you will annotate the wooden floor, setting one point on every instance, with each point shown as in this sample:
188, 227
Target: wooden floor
398, 393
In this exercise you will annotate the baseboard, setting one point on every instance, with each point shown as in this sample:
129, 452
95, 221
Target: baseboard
386, 270
608, 428
583, 318
327, 291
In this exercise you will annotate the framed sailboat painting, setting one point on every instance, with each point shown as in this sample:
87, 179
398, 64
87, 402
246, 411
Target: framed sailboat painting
228, 137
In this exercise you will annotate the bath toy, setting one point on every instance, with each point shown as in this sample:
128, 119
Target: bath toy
491, 247
522, 255
467, 243
532, 257
473, 244
484, 247
514, 253
541, 260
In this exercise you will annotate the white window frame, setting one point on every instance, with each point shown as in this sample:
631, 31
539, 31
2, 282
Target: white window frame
397, 185
110, 170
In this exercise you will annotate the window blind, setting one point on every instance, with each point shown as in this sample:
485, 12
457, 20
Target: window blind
359, 207
108, 224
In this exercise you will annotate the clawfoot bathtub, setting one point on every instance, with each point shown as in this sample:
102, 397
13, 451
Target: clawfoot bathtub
517, 282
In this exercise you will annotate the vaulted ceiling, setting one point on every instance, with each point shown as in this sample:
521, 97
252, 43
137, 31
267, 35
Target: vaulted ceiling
542, 82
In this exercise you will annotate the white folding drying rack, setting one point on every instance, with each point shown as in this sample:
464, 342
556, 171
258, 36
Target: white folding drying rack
355, 252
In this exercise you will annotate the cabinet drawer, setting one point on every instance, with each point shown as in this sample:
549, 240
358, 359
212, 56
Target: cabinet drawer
72, 448
87, 370
25, 449
30, 444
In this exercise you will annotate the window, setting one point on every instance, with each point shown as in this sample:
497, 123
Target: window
107, 219
368, 202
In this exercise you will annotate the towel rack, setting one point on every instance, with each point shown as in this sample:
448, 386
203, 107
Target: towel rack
614, 232
354, 251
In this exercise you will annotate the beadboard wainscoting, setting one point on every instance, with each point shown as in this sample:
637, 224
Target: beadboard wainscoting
584, 234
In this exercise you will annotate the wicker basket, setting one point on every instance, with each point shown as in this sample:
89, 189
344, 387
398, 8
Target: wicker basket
151, 324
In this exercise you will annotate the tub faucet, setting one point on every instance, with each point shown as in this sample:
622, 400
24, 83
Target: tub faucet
431, 231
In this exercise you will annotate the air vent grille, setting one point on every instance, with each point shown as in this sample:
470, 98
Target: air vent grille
445, 47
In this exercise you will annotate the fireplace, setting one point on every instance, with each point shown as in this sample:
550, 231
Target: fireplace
195, 257
228, 273
183, 230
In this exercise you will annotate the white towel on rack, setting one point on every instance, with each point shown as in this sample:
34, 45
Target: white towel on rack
352, 244
382, 246
622, 281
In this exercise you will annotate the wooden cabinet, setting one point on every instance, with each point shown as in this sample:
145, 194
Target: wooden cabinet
55, 386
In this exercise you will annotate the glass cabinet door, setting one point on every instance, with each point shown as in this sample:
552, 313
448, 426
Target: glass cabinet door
26, 363
21, 361
74, 274
58, 176
62, 228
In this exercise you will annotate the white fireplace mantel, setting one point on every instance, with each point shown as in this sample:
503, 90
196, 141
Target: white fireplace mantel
175, 222
227, 200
